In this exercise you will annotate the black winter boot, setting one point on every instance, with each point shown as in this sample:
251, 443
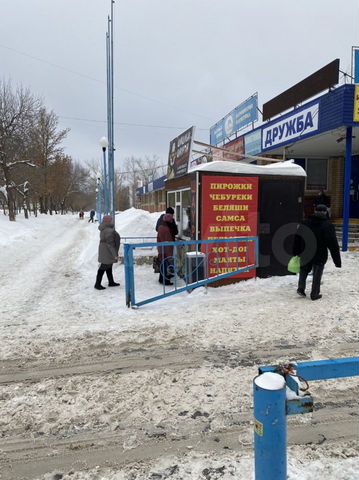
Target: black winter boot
317, 277
111, 282
99, 276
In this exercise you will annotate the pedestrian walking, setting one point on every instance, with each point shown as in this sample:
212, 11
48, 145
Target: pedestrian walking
165, 253
107, 252
314, 237
92, 216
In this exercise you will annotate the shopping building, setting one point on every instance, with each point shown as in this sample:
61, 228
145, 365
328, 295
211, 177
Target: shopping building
321, 135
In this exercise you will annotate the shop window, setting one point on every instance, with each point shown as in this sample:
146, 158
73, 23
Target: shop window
317, 173
180, 201
171, 200
186, 214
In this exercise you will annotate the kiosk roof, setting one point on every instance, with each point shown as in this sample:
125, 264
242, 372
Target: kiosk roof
285, 168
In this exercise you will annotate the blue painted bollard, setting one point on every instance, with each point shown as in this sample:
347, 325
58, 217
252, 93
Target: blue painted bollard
270, 427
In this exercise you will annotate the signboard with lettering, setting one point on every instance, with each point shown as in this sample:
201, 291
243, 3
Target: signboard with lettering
180, 154
356, 104
242, 116
292, 127
253, 142
236, 146
229, 209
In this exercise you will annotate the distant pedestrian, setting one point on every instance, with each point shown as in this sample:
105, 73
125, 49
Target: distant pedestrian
173, 225
92, 216
81, 215
313, 239
165, 253
107, 252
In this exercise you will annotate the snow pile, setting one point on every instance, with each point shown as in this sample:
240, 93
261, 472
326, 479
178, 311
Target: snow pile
270, 381
136, 223
22, 229
226, 466
287, 168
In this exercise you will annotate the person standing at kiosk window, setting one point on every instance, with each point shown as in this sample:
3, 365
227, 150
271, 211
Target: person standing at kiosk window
165, 253
173, 225
314, 237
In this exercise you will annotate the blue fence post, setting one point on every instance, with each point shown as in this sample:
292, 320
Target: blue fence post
129, 275
270, 427
346, 195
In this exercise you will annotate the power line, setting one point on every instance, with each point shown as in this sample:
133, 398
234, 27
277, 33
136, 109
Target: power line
88, 77
150, 169
126, 124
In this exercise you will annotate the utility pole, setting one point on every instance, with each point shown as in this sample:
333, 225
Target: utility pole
110, 112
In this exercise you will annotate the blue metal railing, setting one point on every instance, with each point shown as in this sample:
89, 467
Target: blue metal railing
192, 264
271, 406
138, 240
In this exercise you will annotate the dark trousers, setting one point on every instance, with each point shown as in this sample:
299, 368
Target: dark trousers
165, 275
317, 277
102, 269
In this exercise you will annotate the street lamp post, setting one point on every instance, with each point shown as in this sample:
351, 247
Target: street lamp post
104, 145
99, 199
110, 112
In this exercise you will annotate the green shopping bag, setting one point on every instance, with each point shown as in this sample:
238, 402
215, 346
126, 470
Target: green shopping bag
294, 265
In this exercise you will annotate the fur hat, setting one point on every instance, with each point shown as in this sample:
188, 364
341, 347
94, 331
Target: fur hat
170, 210
107, 219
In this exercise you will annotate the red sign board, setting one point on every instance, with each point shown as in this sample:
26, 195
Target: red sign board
236, 146
229, 209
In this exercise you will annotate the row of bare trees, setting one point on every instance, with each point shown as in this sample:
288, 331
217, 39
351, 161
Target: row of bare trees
35, 173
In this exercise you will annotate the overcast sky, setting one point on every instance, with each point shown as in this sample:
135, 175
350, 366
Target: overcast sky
177, 62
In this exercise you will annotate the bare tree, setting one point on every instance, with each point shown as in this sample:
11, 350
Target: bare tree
46, 141
122, 191
121, 184
18, 108
141, 171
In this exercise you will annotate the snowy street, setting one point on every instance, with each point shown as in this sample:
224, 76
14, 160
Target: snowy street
90, 389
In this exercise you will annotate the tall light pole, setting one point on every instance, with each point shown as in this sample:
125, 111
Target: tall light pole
98, 198
110, 114
104, 145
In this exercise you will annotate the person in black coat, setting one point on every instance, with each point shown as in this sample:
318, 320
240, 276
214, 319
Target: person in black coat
314, 237
173, 226
92, 216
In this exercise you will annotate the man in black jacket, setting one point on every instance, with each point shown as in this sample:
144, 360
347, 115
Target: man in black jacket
313, 239
173, 225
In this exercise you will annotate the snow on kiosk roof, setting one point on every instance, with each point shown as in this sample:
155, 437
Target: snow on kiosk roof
286, 168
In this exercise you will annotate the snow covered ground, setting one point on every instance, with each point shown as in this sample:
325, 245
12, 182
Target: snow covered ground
165, 389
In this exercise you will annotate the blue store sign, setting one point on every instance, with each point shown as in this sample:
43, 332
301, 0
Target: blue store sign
356, 66
300, 124
253, 142
242, 116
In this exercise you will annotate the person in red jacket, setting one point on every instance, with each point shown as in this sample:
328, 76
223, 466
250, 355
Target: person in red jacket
165, 253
